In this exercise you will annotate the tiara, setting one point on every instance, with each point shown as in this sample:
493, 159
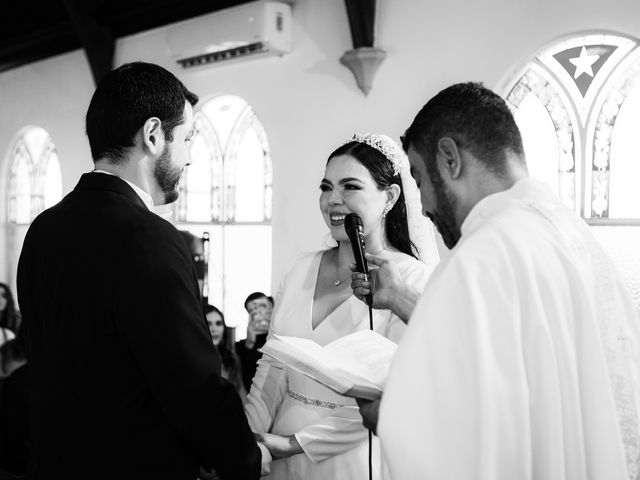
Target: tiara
385, 145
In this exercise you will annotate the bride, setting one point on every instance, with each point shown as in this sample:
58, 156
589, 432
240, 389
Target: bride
311, 431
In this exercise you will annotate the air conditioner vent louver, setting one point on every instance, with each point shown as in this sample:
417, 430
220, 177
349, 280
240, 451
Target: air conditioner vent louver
222, 55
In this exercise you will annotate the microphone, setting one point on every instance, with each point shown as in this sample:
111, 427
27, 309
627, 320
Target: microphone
355, 232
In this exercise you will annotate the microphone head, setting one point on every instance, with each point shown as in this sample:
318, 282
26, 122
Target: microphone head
352, 223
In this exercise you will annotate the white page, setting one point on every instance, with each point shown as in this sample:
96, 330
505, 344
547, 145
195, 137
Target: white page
367, 353
358, 362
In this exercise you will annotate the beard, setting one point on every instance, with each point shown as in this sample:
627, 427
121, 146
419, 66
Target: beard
167, 176
443, 217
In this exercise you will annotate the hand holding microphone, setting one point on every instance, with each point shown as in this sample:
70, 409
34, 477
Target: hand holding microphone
382, 287
355, 231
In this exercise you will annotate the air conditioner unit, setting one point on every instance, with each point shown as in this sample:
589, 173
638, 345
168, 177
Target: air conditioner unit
251, 30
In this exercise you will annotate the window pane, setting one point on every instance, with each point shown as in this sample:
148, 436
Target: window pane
247, 252
249, 179
200, 186
21, 189
223, 113
52, 182
198, 180
37, 141
624, 173
539, 140
36, 181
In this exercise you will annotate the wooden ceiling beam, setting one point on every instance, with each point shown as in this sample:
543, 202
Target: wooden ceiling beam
362, 18
365, 58
97, 39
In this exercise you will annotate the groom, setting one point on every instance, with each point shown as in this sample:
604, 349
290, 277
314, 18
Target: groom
125, 381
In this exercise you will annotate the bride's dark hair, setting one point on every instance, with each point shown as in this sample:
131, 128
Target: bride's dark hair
381, 170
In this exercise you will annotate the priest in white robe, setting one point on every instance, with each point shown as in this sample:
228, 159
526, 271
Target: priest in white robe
520, 360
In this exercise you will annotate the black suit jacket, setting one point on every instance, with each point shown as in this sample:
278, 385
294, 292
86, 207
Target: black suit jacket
125, 381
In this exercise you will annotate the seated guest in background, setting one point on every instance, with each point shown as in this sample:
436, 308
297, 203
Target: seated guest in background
524, 347
221, 336
14, 414
259, 307
312, 432
9, 316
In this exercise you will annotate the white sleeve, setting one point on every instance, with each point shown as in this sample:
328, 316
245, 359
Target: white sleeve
266, 394
269, 385
333, 435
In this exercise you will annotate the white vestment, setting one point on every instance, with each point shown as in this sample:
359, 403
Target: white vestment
327, 425
520, 360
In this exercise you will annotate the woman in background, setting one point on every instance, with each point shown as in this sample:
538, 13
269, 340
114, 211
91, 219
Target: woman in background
221, 336
9, 316
14, 412
311, 431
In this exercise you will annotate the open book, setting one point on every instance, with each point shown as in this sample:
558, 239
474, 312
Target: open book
355, 365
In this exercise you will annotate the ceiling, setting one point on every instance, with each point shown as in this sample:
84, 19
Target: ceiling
32, 30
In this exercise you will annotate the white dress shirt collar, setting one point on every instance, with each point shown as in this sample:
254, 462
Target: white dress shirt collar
144, 196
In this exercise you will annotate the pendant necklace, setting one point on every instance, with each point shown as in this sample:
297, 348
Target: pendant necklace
337, 281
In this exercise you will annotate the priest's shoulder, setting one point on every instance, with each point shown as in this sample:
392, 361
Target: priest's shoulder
486, 247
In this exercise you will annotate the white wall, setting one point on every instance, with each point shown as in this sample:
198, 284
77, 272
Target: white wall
307, 101
52, 94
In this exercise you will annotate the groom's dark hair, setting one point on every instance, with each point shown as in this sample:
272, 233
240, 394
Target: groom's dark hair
128, 96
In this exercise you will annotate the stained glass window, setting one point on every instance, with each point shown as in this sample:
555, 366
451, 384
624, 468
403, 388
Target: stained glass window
586, 89
226, 191
35, 181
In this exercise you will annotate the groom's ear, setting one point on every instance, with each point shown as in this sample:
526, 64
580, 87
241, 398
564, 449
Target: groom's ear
448, 158
152, 135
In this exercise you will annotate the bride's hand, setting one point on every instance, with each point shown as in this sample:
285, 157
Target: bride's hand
280, 446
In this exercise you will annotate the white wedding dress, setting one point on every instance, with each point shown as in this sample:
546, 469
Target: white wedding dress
328, 426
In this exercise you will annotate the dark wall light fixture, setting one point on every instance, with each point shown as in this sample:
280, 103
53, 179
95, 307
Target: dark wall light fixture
365, 58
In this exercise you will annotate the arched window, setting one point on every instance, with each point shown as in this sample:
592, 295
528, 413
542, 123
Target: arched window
547, 127
35, 181
586, 90
577, 103
226, 192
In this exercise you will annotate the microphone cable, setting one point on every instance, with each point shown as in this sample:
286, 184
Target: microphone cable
370, 434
